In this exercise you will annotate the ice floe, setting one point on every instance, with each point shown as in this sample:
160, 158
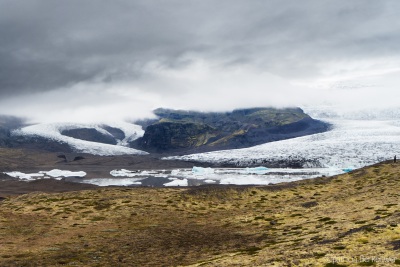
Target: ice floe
45, 174
256, 170
202, 171
185, 177
25, 176
139, 173
240, 176
111, 181
60, 173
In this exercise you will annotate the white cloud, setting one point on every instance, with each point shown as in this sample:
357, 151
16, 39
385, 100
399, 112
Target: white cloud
206, 86
83, 103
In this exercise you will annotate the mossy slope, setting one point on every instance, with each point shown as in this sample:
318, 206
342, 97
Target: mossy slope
308, 223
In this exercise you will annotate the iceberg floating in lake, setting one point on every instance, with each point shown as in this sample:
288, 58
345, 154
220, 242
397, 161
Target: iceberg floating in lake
24, 176
175, 172
202, 171
123, 173
348, 169
60, 173
53, 173
113, 181
256, 170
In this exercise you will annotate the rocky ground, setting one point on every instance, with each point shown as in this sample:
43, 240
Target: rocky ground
348, 220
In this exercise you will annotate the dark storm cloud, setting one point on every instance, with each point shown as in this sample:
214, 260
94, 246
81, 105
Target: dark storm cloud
123, 57
49, 44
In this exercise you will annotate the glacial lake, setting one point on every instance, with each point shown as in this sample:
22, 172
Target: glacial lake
200, 176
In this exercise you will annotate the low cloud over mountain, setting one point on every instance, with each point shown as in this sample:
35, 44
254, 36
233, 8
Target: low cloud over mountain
85, 61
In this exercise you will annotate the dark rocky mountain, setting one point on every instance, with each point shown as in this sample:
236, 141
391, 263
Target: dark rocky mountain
178, 130
4, 136
39, 143
8, 123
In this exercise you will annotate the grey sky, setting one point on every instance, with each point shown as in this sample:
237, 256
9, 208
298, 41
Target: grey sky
91, 59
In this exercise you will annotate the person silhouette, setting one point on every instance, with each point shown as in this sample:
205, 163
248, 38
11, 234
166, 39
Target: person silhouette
394, 160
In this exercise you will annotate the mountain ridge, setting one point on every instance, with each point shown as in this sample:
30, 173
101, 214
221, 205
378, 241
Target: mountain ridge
174, 131
181, 130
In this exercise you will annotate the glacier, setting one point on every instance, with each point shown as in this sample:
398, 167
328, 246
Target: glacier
354, 141
52, 131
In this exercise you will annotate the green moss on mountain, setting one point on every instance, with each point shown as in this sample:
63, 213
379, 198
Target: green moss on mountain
177, 130
166, 135
230, 120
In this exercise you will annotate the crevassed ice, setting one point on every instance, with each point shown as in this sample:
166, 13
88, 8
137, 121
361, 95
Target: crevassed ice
355, 143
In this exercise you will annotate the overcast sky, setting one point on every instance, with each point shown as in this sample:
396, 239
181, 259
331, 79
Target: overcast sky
86, 60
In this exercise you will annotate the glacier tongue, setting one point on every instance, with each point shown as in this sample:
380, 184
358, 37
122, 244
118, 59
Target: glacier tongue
350, 142
52, 131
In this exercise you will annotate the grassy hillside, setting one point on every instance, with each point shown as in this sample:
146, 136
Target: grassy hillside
349, 218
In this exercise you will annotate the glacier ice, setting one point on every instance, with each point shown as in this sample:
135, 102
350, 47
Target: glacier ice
52, 131
123, 173
202, 171
60, 173
24, 176
349, 169
256, 170
355, 143
45, 174
112, 181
